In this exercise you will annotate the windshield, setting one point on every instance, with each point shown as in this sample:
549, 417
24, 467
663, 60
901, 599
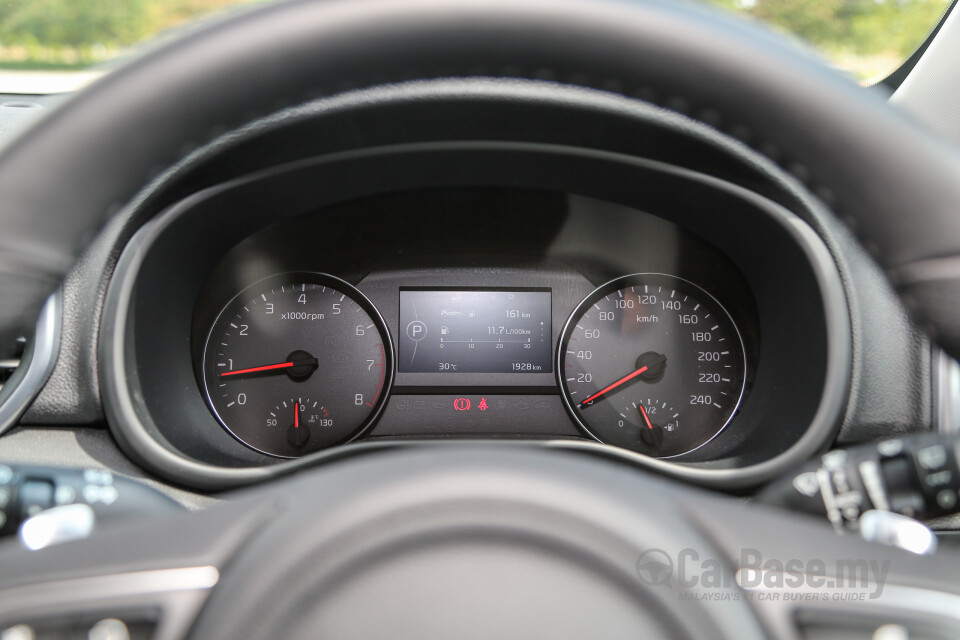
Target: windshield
50, 46
868, 38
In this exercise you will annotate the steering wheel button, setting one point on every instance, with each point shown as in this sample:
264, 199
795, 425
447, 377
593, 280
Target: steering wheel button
35, 496
97, 476
93, 494
891, 632
109, 629
932, 458
18, 632
64, 494
947, 499
938, 479
889, 448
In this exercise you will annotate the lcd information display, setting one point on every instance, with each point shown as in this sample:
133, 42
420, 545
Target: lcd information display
474, 331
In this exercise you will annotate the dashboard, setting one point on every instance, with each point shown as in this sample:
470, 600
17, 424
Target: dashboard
295, 319
493, 298
483, 207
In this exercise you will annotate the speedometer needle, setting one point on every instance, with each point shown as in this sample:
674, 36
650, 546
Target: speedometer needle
271, 367
626, 378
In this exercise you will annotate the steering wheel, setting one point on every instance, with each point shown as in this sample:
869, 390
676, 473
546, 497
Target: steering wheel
486, 540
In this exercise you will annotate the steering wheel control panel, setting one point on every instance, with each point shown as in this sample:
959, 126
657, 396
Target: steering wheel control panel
47, 505
915, 476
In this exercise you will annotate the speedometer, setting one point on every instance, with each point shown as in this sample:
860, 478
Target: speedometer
652, 363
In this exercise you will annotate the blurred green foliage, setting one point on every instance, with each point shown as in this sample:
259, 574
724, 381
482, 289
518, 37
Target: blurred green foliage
857, 26
73, 23
78, 33
81, 32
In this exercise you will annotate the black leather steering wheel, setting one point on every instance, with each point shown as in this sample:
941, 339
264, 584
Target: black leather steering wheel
406, 524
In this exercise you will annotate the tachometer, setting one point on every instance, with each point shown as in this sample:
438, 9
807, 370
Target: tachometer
296, 363
652, 363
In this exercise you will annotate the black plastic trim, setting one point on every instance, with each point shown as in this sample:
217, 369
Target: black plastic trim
37, 363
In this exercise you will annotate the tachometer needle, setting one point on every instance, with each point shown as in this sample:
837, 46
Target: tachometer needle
296, 415
626, 378
271, 367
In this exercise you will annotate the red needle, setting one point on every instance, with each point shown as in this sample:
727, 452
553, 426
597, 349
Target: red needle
646, 418
296, 416
629, 376
270, 367
282, 365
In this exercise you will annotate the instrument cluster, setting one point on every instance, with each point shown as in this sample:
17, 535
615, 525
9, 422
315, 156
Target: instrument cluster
528, 341
676, 322
299, 362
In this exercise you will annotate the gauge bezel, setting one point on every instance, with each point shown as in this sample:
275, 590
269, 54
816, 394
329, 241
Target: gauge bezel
333, 282
616, 284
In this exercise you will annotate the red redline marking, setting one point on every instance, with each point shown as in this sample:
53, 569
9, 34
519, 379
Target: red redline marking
616, 384
380, 383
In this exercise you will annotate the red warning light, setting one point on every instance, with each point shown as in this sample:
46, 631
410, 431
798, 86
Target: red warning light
461, 404
483, 404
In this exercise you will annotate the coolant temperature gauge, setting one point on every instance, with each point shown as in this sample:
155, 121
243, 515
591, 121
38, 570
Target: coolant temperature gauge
302, 416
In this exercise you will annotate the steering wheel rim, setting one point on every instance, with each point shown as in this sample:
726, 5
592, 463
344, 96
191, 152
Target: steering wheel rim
436, 545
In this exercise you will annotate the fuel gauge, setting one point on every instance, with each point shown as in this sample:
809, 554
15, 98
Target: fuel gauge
657, 419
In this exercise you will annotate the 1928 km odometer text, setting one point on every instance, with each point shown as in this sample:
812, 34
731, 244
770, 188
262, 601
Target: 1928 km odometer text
652, 363
297, 363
